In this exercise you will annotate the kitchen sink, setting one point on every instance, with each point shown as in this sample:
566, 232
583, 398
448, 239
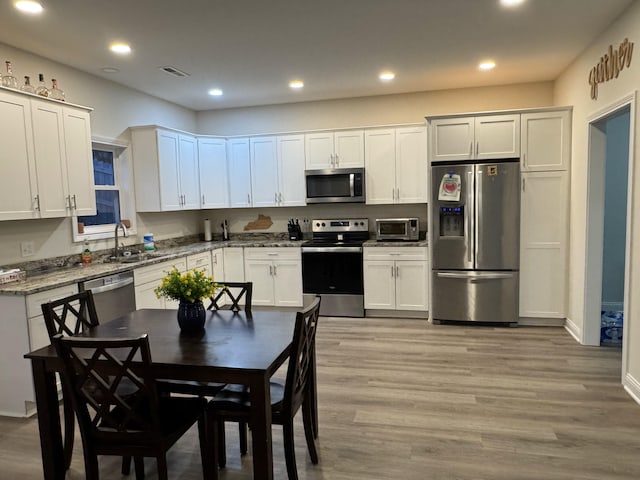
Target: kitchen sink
135, 257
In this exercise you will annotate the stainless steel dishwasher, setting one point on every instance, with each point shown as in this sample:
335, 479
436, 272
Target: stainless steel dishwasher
114, 295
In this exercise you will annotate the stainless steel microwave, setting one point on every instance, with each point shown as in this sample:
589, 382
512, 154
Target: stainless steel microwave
335, 185
407, 229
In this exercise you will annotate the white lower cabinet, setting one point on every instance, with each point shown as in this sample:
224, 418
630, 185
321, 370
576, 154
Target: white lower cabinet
22, 332
233, 262
146, 279
276, 274
396, 278
543, 244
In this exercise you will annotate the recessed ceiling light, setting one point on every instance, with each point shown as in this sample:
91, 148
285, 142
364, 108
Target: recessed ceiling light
296, 84
511, 3
215, 92
28, 6
487, 65
110, 70
120, 48
387, 76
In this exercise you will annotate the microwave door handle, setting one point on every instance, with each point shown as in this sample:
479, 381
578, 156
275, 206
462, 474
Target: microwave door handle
352, 190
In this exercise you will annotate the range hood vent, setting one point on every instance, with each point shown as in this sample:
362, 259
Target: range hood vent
174, 71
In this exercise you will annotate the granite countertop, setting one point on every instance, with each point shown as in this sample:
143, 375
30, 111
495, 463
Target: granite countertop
61, 276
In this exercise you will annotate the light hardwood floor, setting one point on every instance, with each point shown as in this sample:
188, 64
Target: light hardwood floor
403, 399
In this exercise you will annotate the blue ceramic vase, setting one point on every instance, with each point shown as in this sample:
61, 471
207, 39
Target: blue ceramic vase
191, 316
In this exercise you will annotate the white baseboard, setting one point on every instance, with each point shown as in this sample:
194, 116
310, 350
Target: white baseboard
541, 322
573, 330
632, 386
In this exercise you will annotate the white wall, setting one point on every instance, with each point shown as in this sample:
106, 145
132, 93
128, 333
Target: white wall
371, 111
572, 88
115, 109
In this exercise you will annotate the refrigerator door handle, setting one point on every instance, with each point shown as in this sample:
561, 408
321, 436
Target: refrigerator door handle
475, 278
471, 242
478, 214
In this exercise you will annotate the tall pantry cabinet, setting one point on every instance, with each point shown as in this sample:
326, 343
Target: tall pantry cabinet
544, 223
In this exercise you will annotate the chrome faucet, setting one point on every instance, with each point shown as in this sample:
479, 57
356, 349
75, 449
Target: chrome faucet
116, 250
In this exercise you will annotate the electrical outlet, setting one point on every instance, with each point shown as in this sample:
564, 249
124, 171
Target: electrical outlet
27, 249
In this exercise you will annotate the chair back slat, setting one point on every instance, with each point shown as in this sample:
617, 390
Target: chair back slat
115, 400
234, 293
70, 315
301, 358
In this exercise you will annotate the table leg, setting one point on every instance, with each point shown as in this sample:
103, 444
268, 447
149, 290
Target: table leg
261, 428
53, 463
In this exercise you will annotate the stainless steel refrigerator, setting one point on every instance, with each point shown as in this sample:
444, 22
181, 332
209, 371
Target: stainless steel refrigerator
475, 212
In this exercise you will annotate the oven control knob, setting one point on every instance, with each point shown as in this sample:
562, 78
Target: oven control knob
324, 224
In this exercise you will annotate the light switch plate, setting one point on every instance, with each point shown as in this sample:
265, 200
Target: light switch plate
27, 249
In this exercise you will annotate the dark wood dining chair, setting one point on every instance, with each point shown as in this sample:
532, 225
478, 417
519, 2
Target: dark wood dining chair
141, 423
69, 316
230, 297
233, 404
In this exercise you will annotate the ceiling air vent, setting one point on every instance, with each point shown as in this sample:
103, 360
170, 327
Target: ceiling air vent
174, 71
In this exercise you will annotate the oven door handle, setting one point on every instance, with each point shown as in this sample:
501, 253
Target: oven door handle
331, 249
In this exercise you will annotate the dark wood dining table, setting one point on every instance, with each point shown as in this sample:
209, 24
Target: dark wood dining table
234, 347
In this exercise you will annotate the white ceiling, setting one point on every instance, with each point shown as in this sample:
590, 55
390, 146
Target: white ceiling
251, 49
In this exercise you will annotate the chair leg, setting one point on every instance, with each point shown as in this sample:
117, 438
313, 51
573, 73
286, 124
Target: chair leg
289, 449
309, 430
69, 429
126, 465
162, 467
208, 432
222, 444
91, 466
139, 466
242, 431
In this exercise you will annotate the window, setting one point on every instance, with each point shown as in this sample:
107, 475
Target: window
111, 198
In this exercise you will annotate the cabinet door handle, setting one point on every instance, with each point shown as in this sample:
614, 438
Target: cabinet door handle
203, 199
337, 160
248, 199
397, 271
523, 189
275, 270
36, 200
281, 200
75, 205
524, 159
275, 198
477, 148
67, 202
392, 275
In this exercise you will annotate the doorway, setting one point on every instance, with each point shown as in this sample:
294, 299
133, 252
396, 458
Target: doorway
607, 234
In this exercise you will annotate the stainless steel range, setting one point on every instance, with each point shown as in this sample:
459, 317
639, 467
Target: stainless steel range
332, 265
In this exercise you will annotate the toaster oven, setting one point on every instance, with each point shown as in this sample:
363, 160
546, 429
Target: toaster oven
403, 229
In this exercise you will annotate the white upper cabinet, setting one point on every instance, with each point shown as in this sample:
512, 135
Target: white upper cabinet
165, 165
277, 171
212, 166
17, 196
63, 160
264, 171
291, 181
469, 138
546, 141
77, 141
239, 168
396, 165
342, 149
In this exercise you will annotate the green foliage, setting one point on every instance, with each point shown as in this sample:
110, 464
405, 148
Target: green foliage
189, 287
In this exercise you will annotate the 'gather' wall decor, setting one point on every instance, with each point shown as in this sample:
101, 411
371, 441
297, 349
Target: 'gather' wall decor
610, 65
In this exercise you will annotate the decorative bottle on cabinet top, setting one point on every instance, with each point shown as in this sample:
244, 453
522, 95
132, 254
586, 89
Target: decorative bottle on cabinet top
55, 92
27, 87
42, 89
9, 80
